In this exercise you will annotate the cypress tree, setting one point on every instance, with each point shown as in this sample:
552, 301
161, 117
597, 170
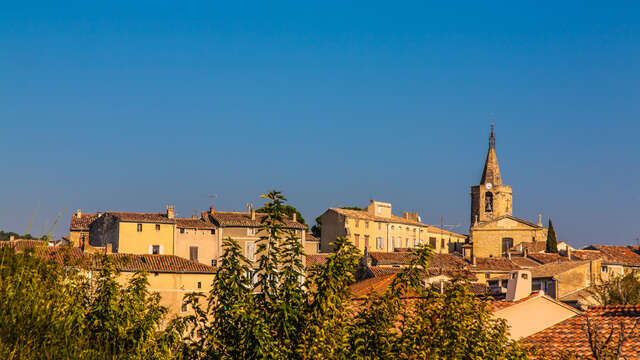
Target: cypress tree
552, 243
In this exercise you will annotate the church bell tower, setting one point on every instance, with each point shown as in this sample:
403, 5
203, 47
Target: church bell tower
491, 199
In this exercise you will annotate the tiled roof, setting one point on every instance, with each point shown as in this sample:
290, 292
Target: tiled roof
82, 223
377, 284
243, 219
586, 255
309, 237
545, 258
507, 216
619, 255
22, 244
361, 214
378, 271
498, 305
403, 258
569, 336
494, 264
316, 259
142, 217
551, 269
73, 256
194, 224
524, 262
532, 246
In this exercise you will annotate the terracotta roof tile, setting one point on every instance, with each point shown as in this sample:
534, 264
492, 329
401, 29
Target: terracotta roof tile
494, 264
586, 255
551, 269
532, 246
377, 284
619, 255
82, 223
498, 305
524, 262
142, 217
243, 219
309, 237
569, 336
22, 244
316, 259
545, 258
194, 224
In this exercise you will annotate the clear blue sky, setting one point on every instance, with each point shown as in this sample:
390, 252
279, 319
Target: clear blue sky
132, 106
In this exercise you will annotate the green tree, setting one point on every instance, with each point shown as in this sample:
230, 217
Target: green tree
552, 243
618, 290
289, 211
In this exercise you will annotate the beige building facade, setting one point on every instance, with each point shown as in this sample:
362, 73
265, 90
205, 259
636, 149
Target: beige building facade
494, 230
196, 240
376, 229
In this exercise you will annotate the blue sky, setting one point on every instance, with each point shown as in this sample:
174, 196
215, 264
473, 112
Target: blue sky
132, 106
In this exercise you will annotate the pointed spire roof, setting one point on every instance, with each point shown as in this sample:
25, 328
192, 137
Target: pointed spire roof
491, 172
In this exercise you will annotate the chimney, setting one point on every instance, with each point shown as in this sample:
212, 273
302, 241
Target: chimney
405, 215
171, 211
519, 285
253, 214
78, 214
12, 237
295, 217
539, 219
211, 210
473, 260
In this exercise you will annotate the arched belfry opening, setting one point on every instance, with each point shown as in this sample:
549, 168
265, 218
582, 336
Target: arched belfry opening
488, 202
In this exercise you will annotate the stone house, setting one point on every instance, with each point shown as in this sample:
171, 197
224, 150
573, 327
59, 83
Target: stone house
196, 240
79, 227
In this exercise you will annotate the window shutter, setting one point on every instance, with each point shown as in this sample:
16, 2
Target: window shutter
193, 253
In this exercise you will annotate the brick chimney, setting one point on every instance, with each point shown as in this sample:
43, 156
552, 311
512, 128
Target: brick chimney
79, 214
539, 219
519, 285
171, 211
253, 213
212, 210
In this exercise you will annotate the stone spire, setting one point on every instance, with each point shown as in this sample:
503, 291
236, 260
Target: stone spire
491, 172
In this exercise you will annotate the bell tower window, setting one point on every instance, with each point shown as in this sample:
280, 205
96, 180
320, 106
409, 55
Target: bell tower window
488, 202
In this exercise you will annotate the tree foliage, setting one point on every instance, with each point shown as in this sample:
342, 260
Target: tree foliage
270, 308
552, 243
618, 290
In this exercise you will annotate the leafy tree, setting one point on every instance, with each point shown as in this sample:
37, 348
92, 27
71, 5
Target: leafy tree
552, 243
618, 290
289, 211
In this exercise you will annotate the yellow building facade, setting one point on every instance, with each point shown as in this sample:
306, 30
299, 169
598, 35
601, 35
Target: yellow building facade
376, 229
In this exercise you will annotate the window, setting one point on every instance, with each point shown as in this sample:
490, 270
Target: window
155, 249
604, 268
507, 244
181, 230
199, 285
318, 250
366, 224
379, 226
214, 262
185, 307
432, 242
157, 227
356, 239
366, 241
139, 227
488, 202
415, 243
357, 223
379, 243
406, 242
193, 253
399, 242
250, 250
524, 276
392, 227
442, 243
213, 231
487, 276
251, 231
414, 231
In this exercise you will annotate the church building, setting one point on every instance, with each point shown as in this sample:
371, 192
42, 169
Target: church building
494, 230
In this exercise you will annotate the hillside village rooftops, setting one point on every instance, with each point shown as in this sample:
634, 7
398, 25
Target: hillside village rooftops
23, 244
364, 215
243, 219
569, 336
615, 255
190, 223
82, 222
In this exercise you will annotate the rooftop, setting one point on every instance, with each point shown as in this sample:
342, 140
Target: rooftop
551, 269
191, 223
545, 258
569, 336
243, 219
618, 255
82, 223
494, 264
